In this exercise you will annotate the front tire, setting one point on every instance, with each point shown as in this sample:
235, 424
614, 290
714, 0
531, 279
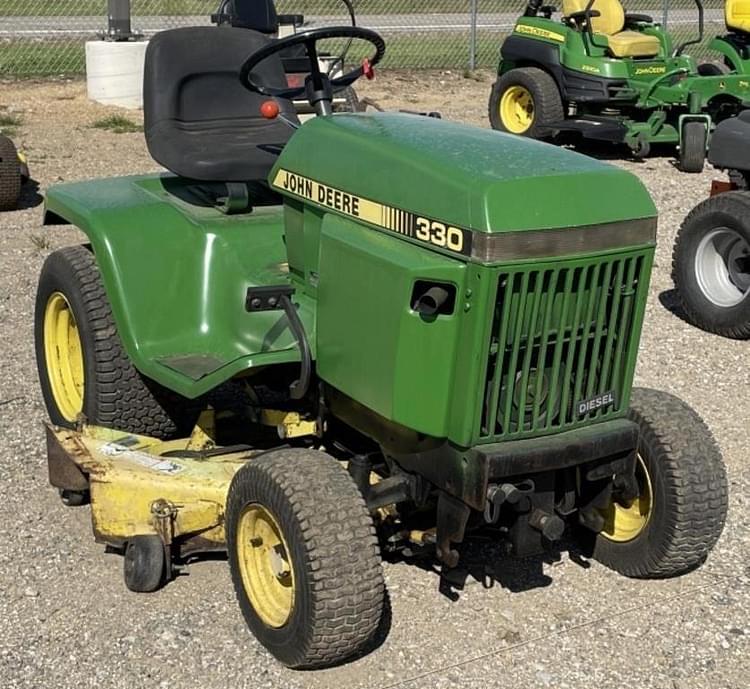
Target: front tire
680, 512
526, 101
83, 368
711, 265
10, 175
304, 558
693, 147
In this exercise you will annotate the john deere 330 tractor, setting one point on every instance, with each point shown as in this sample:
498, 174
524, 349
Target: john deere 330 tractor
307, 345
607, 75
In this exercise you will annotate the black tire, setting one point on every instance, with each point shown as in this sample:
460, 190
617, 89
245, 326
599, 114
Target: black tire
730, 210
693, 146
351, 99
338, 587
713, 69
689, 485
10, 175
115, 394
74, 498
545, 96
144, 565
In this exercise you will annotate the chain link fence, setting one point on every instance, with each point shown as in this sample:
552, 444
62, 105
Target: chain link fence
46, 37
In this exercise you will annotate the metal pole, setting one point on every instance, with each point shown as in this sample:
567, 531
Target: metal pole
473, 36
118, 27
664, 14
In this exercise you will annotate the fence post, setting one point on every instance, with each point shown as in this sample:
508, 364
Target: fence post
473, 35
664, 13
118, 16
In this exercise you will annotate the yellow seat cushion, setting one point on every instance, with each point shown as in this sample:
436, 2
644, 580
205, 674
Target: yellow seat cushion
633, 44
737, 15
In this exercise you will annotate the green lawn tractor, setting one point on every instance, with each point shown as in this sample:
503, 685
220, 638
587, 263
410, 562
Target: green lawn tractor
711, 257
734, 46
310, 345
14, 171
607, 75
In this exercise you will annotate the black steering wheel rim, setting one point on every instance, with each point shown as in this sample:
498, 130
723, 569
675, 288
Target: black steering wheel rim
309, 39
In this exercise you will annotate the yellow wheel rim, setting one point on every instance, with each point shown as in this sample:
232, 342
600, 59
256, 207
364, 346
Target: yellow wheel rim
265, 565
517, 109
63, 355
624, 522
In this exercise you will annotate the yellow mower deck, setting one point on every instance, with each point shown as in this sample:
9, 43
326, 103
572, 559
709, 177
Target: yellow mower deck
136, 490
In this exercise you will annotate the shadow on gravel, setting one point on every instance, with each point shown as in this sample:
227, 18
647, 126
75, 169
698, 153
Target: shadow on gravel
603, 150
30, 196
669, 300
485, 562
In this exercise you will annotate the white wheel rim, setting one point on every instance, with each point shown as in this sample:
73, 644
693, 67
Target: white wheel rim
722, 267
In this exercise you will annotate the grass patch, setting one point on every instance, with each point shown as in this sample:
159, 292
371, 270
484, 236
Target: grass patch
117, 124
41, 58
9, 123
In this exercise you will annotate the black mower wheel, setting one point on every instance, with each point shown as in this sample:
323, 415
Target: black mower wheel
351, 100
144, 565
711, 265
10, 175
83, 368
679, 514
693, 147
74, 498
304, 558
525, 101
713, 69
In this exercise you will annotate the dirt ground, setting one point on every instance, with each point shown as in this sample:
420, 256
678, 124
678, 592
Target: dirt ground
66, 619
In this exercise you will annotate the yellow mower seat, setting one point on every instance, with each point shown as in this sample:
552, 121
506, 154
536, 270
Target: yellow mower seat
610, 24
737, 15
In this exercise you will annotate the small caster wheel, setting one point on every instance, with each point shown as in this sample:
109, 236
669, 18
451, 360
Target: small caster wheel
640, 148
74, 498
145, 564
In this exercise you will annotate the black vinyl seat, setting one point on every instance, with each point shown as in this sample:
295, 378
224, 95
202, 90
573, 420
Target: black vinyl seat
199, 121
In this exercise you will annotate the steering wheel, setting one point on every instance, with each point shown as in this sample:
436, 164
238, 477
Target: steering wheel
310, 39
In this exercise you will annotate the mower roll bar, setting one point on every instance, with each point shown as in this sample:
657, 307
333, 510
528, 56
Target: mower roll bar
682, 47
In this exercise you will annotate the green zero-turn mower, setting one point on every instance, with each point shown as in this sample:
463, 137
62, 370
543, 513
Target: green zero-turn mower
711, 257
14, 171
607, 75
309, 345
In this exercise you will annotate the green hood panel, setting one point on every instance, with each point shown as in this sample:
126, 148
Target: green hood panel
466, 176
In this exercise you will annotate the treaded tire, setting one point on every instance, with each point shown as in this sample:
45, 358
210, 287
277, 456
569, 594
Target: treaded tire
689, 485
730, 210
545, 95
339, 589
693, 147
115, 394
10, 175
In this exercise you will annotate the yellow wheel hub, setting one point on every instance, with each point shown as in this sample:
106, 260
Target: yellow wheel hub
517, 109
624, 522
63, 355
265, 565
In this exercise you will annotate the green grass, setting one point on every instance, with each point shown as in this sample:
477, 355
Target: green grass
117, 124
41, 58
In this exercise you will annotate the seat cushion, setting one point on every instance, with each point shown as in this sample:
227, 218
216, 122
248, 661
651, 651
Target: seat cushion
611, 17
737, 15
633, 44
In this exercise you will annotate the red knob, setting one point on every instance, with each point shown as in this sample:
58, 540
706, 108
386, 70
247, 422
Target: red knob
367, 69
270, 109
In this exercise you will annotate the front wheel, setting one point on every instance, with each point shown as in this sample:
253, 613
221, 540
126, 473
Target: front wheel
693, 146
304, 557
526, 101
679, 513
10, 175
711, 265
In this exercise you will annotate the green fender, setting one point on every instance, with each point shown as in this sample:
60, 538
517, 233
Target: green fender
176, 271
720, 45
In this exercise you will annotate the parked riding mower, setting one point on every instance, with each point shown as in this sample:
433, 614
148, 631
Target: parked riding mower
711, 258
14, 171
383, 347
606, 75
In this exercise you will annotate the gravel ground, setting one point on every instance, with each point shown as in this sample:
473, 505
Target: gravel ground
68, 621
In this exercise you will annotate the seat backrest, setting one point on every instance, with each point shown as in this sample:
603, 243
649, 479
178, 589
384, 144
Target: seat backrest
258, 15
737, 15
611, 17
191, 84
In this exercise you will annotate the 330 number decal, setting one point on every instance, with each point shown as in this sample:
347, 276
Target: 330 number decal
439, 234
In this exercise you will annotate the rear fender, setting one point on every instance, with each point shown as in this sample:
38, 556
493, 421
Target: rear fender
176, 271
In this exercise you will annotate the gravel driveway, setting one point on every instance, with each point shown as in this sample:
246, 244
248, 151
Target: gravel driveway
66, 619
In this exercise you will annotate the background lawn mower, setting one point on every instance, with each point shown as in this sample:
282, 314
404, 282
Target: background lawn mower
711, 258
14, 171
309, 344
606, 75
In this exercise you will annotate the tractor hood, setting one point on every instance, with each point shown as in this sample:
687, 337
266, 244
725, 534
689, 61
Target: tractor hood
407, 168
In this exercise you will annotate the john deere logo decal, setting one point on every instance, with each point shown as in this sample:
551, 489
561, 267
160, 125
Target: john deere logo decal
653, 69
606, 399
536, 32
